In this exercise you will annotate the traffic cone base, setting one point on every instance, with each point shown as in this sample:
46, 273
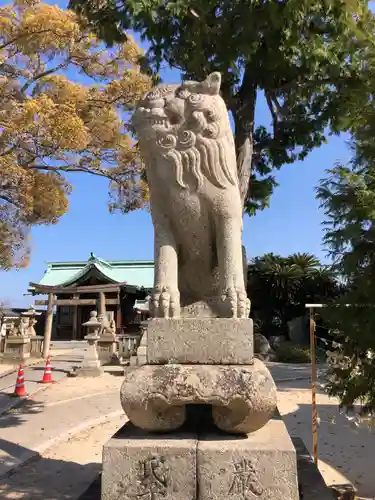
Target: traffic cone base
15, 395
19, 390
47, 376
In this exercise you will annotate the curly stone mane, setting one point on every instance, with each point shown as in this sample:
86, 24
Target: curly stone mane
188, 125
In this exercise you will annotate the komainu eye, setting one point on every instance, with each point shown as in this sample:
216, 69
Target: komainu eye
212, 131
211, 115
196, 98
183, 93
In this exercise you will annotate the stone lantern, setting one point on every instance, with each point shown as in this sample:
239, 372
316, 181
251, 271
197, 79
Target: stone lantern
93, 326
91, 364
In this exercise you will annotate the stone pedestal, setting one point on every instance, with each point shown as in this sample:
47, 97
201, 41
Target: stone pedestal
209, 341
90, 365
133, 361
261, 465
200, 463
143, 349
123, 348
17, 348
107, 349
36, 346
243, 453
243, 398
141, 466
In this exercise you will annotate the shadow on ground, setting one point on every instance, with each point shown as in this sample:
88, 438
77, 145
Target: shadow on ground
16, 415
342, 447
77, 359
291, 375
45, 478
41, 369
117, 371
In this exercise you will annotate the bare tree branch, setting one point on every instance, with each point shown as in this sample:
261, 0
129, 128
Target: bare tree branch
45, 73
271, 108
75, 168
9, 200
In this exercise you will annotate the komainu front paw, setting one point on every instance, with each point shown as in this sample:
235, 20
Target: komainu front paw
165, 303
243, 305
237, 303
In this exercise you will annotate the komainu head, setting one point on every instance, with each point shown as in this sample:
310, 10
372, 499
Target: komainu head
188, 125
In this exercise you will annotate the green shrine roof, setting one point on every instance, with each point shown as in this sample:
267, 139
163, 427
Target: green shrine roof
138, 273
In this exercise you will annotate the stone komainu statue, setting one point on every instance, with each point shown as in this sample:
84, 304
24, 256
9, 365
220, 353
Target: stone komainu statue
204, 356
187, 144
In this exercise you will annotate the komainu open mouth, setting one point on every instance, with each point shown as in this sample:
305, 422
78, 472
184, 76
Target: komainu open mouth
159, 121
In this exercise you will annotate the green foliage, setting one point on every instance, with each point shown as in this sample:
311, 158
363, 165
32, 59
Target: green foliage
348, 198
310, 59
288, 352
51, 125
279, 288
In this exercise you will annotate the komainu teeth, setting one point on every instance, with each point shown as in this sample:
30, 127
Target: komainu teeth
159, 121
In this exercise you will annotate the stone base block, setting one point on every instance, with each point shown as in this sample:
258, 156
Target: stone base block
194, 465
107, 348
17, 348
210, 341
137, 465
260, 466
243, 398
36, 346
142, 350
133, 360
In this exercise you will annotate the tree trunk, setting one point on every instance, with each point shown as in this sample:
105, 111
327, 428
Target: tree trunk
244, 116
244, 150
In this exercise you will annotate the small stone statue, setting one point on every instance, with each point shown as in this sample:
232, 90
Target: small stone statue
19, 328
108, 327
25, 326
30, 330
112, 326
8, 329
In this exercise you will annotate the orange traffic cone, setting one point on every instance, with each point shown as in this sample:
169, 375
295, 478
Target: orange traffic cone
47, 377
19, 391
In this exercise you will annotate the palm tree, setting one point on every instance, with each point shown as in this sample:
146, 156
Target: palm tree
279, 287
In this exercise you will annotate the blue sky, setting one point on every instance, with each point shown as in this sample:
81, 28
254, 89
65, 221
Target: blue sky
291, 224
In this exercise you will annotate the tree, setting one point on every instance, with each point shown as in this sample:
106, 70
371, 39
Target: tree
307, 58
281, 286
50, 124
348, 198
3, 305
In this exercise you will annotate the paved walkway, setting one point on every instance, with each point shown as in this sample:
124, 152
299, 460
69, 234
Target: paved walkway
54, 414
287, 372
73, 464
65, 425
8, 368
61, 365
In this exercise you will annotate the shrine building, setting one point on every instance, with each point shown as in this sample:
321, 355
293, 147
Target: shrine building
77, 288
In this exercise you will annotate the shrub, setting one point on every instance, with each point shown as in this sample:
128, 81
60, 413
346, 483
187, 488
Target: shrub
288, 352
